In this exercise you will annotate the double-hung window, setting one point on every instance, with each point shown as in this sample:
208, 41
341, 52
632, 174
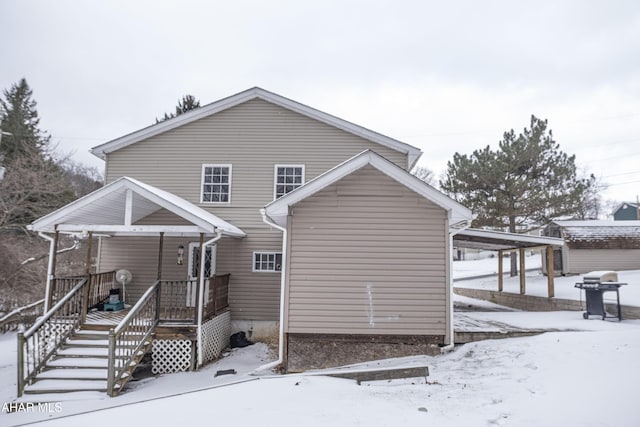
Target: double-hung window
270, 262
216, 184
287, 178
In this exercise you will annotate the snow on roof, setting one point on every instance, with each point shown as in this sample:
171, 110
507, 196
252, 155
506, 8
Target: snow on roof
598, 234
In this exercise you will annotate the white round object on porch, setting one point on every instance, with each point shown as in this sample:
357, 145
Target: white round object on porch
123, 276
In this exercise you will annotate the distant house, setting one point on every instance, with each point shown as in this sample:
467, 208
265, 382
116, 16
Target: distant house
626, 212
596, 245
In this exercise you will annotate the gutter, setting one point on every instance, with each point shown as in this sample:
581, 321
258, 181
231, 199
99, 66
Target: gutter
270, 222
203, 254
466, 224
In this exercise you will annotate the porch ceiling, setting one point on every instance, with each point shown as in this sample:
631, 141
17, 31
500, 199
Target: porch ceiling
115, 208
497, 240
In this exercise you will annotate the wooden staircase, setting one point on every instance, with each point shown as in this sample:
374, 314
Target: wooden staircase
81, 364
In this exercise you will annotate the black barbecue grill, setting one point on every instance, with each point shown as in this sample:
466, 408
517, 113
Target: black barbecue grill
594, 285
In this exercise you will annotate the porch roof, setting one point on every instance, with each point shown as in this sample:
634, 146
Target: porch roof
115, 208
497, 240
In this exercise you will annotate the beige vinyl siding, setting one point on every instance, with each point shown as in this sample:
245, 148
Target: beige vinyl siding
367, 256
253, 137
581, 261
139, 255
252, 295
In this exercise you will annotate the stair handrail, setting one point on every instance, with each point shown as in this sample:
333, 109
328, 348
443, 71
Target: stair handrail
130, 335
46, 336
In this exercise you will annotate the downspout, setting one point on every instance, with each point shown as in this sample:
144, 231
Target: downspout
49, 269
52, 243
203, 255
269, 222
466, 225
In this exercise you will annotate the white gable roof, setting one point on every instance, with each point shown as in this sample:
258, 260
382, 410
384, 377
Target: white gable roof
413, 153
278, 210
115, 208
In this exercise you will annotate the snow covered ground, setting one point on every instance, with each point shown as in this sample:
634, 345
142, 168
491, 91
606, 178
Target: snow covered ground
586, 376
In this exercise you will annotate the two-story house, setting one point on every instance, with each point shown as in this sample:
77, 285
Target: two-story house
317, 231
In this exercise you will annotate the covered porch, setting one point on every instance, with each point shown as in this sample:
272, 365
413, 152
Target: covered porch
173, 303
504, 243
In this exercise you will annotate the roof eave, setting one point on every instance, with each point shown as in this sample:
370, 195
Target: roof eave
413, 153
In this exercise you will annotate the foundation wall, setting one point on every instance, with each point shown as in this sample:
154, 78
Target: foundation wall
317, 351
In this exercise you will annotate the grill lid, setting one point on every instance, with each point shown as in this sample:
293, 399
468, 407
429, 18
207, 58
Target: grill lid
600, 277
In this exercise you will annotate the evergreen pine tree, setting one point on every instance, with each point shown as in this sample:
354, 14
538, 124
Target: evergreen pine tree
187, 103
525, 183
33, 184
19, 122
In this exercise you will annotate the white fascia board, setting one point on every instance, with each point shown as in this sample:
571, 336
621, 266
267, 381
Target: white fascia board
413, 153
279, 209
135, 229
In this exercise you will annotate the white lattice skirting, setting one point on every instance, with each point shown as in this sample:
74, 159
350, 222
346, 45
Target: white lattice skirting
171, 356
215, 336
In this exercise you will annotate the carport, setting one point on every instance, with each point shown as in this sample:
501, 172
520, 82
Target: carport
510, 242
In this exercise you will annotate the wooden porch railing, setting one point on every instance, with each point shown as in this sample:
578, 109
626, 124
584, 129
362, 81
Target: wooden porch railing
40, 342
218, 298
25, 315
130, 339
101, 284
73, 297
178, 301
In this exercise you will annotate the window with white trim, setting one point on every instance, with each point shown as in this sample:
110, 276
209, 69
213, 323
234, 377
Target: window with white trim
216, 184
270, 262
287, 179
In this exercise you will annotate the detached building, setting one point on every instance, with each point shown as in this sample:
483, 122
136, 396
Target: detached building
595, 245
626, 212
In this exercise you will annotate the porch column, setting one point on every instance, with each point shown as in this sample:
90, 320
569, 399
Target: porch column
522, 277
500, 284
87, 265
550, 272
87, 289
200, 273
160, 249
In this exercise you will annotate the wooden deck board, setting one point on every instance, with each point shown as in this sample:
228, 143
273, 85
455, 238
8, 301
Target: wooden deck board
106, 318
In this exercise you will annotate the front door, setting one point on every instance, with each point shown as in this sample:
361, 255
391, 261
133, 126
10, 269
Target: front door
194, 264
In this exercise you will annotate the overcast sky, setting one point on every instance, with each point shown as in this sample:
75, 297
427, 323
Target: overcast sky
443, 76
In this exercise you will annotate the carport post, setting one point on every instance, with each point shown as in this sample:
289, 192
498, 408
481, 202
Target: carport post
500, 284
550, 273
522, 277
